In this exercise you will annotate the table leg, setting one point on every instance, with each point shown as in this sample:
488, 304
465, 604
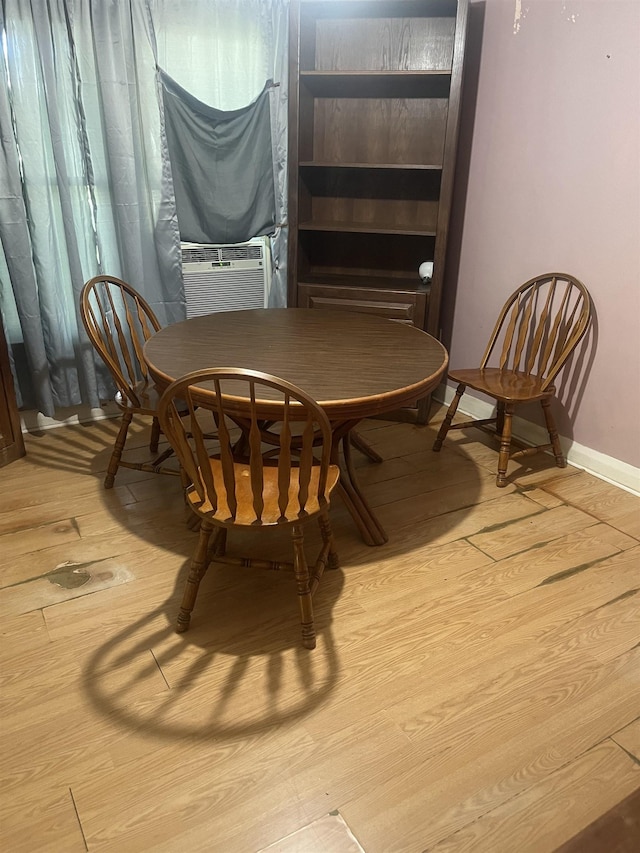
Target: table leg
364, 447
372, 532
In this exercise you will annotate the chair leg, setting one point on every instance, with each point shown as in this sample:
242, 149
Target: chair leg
304, 588
155, 436
219, 544
199, 565
505, 446
561, 462
118, 447
500, 418
327, 537
445, 426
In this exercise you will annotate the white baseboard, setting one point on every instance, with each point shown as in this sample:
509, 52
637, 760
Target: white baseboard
32, 421
599, 464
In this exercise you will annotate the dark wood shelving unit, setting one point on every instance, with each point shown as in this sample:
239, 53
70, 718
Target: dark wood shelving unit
374, 102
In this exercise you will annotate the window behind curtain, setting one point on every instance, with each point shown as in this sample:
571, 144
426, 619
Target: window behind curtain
219, 52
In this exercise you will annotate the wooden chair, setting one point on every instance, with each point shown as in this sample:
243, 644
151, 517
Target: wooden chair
286, 485
119, 322
537, 330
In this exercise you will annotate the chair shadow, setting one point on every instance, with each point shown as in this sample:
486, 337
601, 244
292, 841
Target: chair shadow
575, 377
239, 670
86, 448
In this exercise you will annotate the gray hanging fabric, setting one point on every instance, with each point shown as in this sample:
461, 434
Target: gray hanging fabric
222, 167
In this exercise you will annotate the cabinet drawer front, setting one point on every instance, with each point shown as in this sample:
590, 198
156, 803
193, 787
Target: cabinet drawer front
407, 307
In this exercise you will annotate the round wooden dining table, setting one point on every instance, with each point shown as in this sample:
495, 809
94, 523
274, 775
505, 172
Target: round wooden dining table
354, 365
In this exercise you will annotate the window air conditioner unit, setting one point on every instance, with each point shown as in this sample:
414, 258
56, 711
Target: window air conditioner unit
226, 277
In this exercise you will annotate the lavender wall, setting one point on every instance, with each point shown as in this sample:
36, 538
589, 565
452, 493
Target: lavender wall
549, 180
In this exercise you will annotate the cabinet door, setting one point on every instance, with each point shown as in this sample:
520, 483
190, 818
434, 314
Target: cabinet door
11, 441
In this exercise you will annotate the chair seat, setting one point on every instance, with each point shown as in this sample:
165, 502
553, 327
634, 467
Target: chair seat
506, 385
271, 514
146, 394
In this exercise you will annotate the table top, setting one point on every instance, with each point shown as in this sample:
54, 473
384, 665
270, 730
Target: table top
354, 365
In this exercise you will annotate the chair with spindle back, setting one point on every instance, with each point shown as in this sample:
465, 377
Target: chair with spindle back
269, 486
538, 328
119, 322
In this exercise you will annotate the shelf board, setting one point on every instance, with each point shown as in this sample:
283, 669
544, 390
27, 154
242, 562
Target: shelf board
408, 167
314, 9
364, 228
378, 84
370, 283
401, 184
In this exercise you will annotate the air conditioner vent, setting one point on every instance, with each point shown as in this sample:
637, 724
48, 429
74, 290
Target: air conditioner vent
226, 278
200, 254
241, 253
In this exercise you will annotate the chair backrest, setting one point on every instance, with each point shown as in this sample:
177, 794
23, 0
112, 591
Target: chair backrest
119, 322
540, 325
302, 440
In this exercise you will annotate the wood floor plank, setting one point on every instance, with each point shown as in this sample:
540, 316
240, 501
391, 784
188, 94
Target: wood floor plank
218, 794
325, 835
617, 831
399, 439
537, 470
423, 568
532, 532
147, 518
426, 505
542, 497
455, 524
547, 606
21, 633
435, 473
532, 822
425, 461
447, 790
62, 531
445, 623
60, 735
30, 565
605, 632
606, 502
89, 622
524, 471
48, 823
572, 553
63, 712
531, 691
475, 446
69, 579
66, 503
629, 738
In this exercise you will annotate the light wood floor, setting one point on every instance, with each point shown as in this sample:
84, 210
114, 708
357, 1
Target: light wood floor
476, 684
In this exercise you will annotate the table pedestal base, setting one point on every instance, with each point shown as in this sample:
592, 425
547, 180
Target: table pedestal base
371, 530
